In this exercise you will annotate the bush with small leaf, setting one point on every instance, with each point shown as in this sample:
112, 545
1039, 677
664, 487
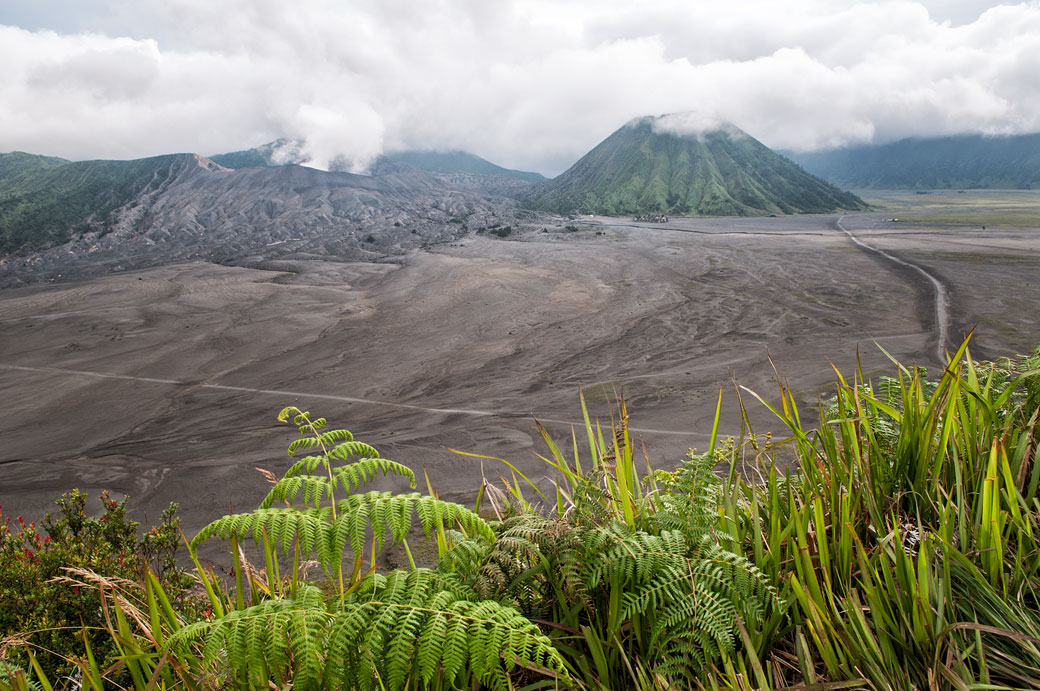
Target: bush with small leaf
34, 559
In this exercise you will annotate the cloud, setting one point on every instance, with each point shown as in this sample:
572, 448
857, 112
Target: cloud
695, 124
529, 84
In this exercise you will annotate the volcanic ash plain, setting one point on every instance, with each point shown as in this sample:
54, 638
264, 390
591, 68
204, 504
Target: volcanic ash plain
165, 383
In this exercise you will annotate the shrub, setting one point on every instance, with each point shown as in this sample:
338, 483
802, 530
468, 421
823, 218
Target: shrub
32, 568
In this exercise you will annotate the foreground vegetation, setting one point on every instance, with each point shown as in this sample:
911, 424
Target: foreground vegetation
899, 551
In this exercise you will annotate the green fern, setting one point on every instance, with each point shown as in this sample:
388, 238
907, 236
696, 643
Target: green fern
688, 497
393, 632
16, 679
325, 533
318, 488
688, 595
284, 526
670, 599
275, 639
326, 525
407, 628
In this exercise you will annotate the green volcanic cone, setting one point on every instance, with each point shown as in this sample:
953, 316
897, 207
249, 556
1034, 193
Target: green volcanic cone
686, 165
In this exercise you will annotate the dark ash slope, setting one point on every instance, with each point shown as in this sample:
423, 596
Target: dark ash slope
79, 219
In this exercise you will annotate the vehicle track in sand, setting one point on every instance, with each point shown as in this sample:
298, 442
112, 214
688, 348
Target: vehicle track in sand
942, 312
330, 397
941, 292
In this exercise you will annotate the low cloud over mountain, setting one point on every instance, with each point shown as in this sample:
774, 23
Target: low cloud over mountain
530, 85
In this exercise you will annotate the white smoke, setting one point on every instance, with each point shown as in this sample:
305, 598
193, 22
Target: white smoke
285, 151
331, 139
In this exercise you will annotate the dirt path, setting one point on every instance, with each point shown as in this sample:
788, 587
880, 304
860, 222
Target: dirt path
328, 397
942, 311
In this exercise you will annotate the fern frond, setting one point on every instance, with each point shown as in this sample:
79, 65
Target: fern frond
350, 450
571, 569
306, 465
382, 512
408, 628
689, 595
317, 488
283, 525
511, 570
402, 630
400, 651
636, 558
701, 613
335, 436
276, 638
302, 443
748, 587
669, 585
430, 644
464, 556
311, 437
690, 500
386, 512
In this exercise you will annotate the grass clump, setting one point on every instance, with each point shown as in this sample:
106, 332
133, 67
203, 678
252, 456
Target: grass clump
905, 543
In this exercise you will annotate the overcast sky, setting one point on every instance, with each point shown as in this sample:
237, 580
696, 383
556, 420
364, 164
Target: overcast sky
529, 84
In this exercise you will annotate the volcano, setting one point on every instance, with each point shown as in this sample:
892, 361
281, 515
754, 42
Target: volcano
675, 164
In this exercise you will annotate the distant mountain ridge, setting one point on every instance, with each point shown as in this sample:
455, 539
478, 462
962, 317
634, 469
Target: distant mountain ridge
954, 162
90, 217
45, 201
452, 162
644, 168
280, 152
67, 219
286, 151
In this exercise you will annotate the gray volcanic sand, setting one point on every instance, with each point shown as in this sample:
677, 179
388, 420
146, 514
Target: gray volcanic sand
165, 383
992, 277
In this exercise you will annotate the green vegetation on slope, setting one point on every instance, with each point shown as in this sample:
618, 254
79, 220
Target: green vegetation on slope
283, 151
46, 201
459, 162
639, 170
277, 153
250, 158
18, 165
958, 162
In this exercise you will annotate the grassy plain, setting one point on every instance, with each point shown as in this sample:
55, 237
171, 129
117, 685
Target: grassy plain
966, 208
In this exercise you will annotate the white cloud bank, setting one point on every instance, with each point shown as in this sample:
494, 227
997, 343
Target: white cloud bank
529, 84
